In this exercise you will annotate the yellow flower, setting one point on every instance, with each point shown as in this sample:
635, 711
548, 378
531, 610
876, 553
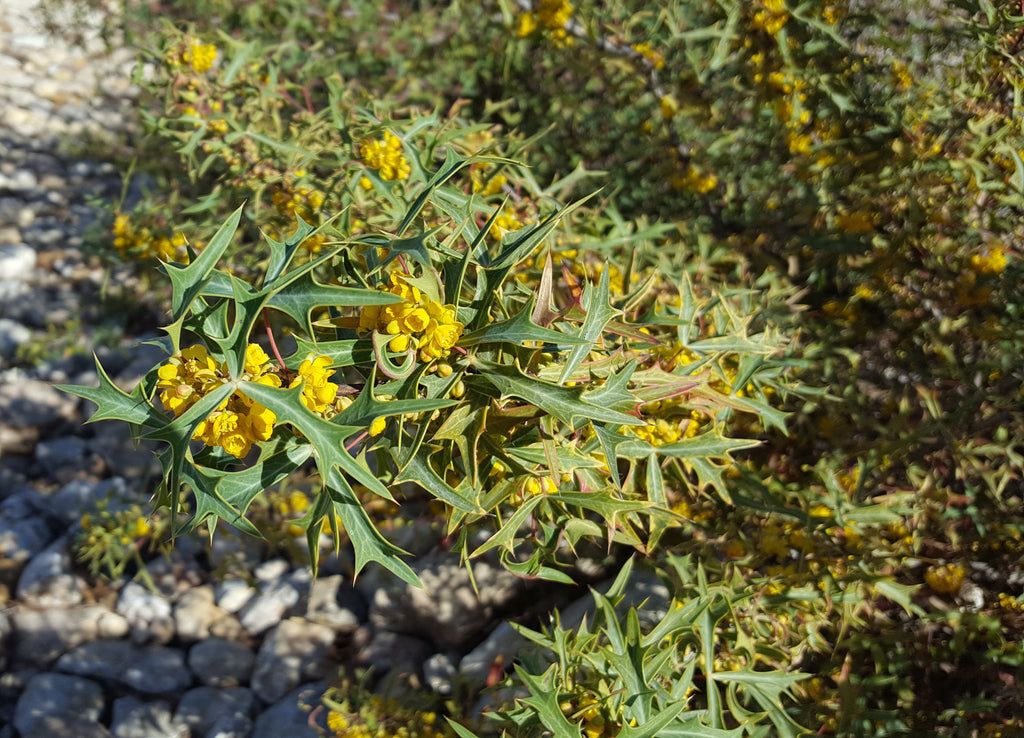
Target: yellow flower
386, 156
200, 56
317, 390
994, 262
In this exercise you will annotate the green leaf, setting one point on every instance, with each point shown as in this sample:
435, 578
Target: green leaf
519, 329
281, 253
367, 542
598, 312
342, 353
545, 701
328, 438
227, 495
506, 535
564, 403
417, 468
187, 282
300, 297
113, 403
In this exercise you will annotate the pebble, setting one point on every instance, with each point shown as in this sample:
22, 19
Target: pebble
218, 662
146, 670
53, 695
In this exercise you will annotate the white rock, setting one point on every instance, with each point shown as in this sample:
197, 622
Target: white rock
17, 261
233, 594
39, 637
148, 614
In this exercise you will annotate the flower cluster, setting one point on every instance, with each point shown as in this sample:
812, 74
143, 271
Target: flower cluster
547, 14
771, 16
140, 242
416, 323
199, 57
238, 422
946, 578
648, 52
318, 392
994, 262
695, 180
386, 156
504, 223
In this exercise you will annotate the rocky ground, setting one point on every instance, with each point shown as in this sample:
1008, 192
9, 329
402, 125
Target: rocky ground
202, 655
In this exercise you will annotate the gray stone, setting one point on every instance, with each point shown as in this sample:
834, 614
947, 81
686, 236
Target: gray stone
12, 335
66, 725
80, 496
289, 716
31, 403
57, 695
148, 614
446, 609
439, 673
133, 718
276, 599
24, 532
395, 653
144, 669
221, 663
39, 637
294, 652
63, 458
202, 708
48, 580
325, 608
503, 643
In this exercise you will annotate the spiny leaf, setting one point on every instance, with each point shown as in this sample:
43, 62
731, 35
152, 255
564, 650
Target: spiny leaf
328, 438
367, 542
300, 297
545, 700
564, 403
188, 281
227, 495
282, 252
417, 468
342, 353
113, 403
599, 311
519, 329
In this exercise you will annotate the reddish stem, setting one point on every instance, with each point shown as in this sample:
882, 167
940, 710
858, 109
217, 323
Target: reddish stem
273, 343
352, 444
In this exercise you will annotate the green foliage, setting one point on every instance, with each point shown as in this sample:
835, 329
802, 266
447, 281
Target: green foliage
785, 345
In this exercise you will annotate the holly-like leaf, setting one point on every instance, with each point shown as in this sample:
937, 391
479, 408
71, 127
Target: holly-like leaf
519, 329
187, 282
599, 311
328, 438
227, 495
342, 353
113, 403
301, 296
545, 700
417, 468
367, 542
564, 403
